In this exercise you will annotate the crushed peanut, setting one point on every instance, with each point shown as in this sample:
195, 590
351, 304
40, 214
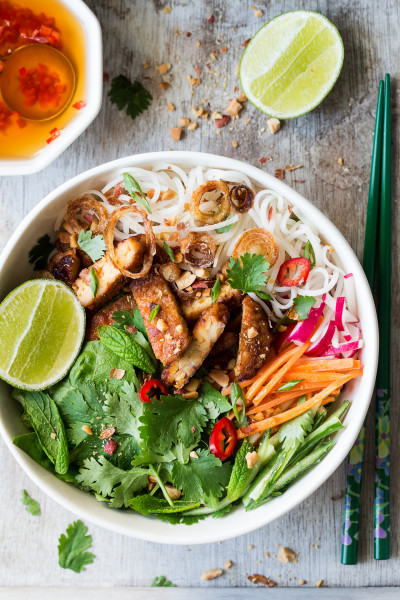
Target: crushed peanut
152, 479
192, 126
235, 144
184, 122
251, 459
161, 325
340, 161
286, 555
185, 280
252, 332
53, 436
231, 364
302, 582
173, 493
145, 65
176, 133
192, 385
274, 125
228, 564
319, 583
178, 255
198, 44
193, 454
242, 97
87, 429
234, 107
167, 10
219, 377
211, 574
164, 85
117, 373
170, 107
107, 433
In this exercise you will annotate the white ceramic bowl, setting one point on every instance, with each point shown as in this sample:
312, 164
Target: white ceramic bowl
14, 269
93, 97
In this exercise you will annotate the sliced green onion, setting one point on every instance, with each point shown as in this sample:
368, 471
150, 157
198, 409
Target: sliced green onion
215, 290
154, 312
289, 385
134, 190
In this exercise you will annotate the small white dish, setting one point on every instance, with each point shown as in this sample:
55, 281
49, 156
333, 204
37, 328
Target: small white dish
14, 269
93, 97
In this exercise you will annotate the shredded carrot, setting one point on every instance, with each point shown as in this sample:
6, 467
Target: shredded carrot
294, 412
277, 378
269, 368
277, 398
324, 376
339, 364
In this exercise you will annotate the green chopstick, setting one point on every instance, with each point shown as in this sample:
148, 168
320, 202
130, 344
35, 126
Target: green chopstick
382, 419
356, 457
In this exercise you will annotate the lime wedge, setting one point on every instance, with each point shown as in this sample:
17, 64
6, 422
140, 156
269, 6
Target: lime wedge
42, 326
291, 64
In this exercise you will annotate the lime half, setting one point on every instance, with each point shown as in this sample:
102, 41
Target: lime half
291, 64
42, 326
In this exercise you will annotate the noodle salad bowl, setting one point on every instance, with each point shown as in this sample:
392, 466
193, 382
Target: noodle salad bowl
339, 324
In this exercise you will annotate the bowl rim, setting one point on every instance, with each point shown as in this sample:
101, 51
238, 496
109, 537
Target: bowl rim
208, 531
93, 95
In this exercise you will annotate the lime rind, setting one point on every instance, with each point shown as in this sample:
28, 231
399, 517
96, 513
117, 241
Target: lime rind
286, 39
42, 328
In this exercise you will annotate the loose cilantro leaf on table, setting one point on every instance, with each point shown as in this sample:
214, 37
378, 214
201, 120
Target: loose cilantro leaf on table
133, 96
95, 246
39, 254
303, 305
248, 273
162, 581
42, 413
71, 548
124, 345
172, 424
31, 505
118, 485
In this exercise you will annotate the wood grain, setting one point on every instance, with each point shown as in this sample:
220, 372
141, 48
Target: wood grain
138, 31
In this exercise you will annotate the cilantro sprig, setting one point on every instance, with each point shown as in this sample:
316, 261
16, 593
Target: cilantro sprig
95, 246
71, 548
132, 96
31, 505
162, 581
248, 273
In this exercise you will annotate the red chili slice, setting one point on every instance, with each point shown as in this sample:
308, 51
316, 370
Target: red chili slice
223, 438
294, 272
152, 384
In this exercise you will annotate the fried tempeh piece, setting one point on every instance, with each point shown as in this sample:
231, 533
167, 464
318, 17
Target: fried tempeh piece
254, 341
192, 309
104, 316
168, 331
205, 333
129, 255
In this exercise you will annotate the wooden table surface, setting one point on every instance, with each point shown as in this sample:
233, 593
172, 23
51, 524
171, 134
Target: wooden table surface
142, 30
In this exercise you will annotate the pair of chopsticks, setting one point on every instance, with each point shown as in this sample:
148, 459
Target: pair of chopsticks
377, 253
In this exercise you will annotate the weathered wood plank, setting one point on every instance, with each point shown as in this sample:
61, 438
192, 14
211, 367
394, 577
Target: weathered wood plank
138, 31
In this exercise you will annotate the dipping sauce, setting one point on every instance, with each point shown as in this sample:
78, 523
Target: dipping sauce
40, 80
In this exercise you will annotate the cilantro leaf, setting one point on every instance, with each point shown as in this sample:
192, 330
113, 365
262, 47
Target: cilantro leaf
94, 282
169, 251
124, 412
95, 246
213, 401
172, 424
303, 305
135, 191
138, 322
202, 479
123, 317
39, 253
31, 505
162, 581
150, 505
102, 477
292, 433
248, 273
289, 385
216, 289
124, 345
71, 548
133, 96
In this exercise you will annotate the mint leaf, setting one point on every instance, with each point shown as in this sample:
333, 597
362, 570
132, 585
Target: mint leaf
120, 486
161, 581
71, 548
149, 505
133, 96
169, 251
289, 385
43, 415
95, 246
172, 424
216, 289
135, 191
248, 273
38, 255
154, 312
31, 505
94, 282
303, 305
124, 345
202, 479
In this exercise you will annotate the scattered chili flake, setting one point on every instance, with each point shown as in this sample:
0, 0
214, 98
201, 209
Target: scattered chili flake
55, 133
211, 18
106, 77
79, 105
19, 24
110, 447
224, 49
280, 174
188, 34
107, 433
223, 121
256, 578
264, 159
246, 42
42, 86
